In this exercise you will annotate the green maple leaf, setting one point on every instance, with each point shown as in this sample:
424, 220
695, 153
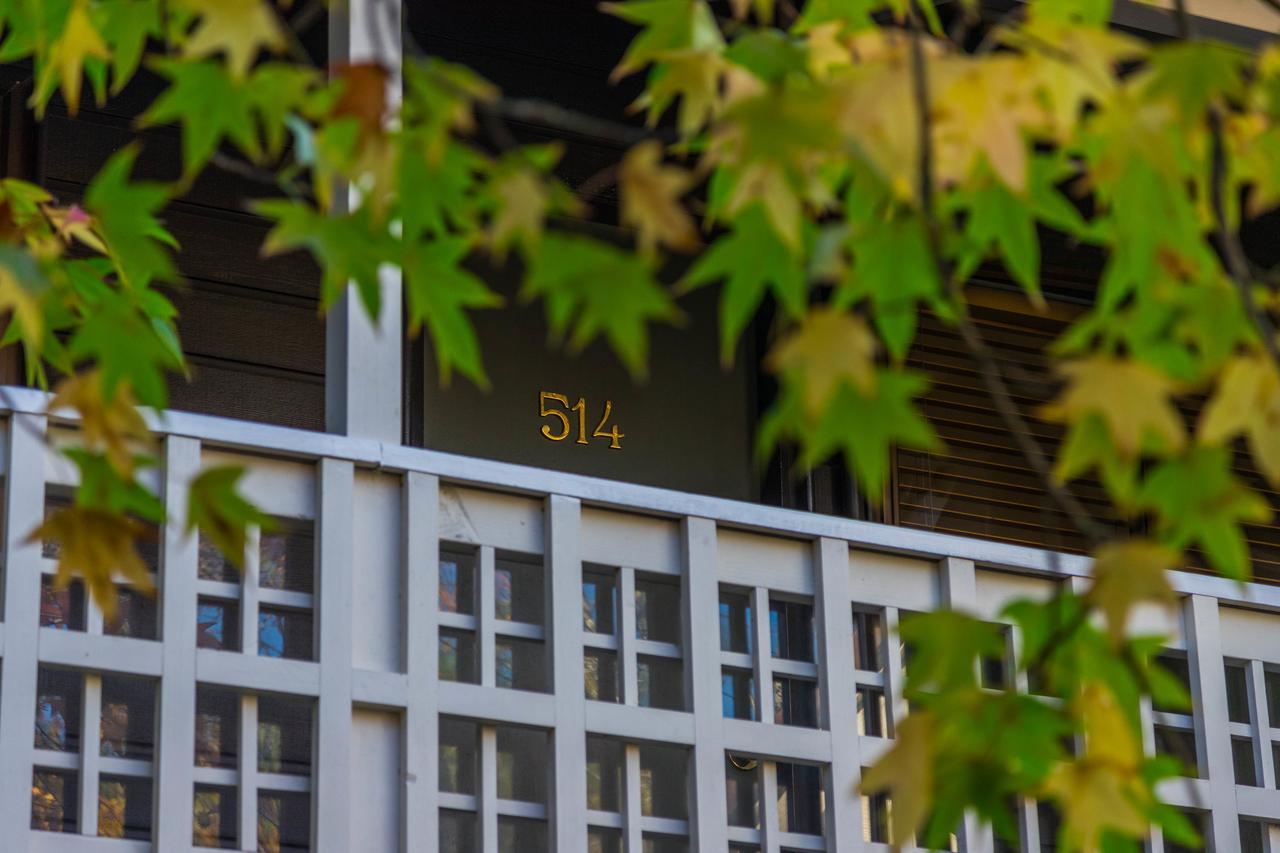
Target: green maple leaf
125, 212
1199, 501
444, 188
893, 269
279, 91
670, 26
128, 343
438, 290
349, 249
1002, 221
598, 289
854, 14
752, 260
946, 647
218, 509
126, 25
1197, 75
210, 105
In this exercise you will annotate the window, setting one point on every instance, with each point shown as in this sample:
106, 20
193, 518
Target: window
791, 630
875, 818
1252, 835
521, 664
523, 762
738, 694
600, 675
657, 609
795, 702
664, 782
1049, 821
279, 792
124, 807
1237, 693
284, 735
1199, 820
519, 607
55, 800
459, 758
660, 682
457, 588
1175, 663
134, 616
800, 800
127, 727
735, 622
1179, 743
599, 600
602, 839
58, 693
61, 608
868, 641
1242, 759
457, 832
1272, 678
286, 580
872, 712
214, 817
458, 656
217, 624
994, 668
605, 767
742, 789
518, 592
521, 835
217, 727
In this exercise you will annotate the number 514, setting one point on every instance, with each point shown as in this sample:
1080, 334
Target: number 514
546, 409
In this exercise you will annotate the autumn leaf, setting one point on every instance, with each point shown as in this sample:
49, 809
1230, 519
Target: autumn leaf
669, 26
1199, 501
1104, 789
1132, 399
905, 772
21, 283
95, 544
218, 509
1247, 402
651, 200
79, 42
695, 79
520, 212
1129, 573
110, 422
831, 347
239, 29
590, 288
364, 96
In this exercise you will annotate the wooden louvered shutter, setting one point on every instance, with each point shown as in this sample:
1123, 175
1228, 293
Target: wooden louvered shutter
980, 484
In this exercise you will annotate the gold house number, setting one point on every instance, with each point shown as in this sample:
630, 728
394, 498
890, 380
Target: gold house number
546, 409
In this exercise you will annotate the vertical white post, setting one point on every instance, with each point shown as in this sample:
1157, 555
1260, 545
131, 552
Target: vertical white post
90, 747
959, 586
632, 808
248, 771
334, 586
174, 788
363, 357
770, 826
486, 618
1213, 734
1262, 753
895, 675
249, 592
23, 509
763, 642
702, 602
564, 564
627, 636
839, 708
420, 735
489, 790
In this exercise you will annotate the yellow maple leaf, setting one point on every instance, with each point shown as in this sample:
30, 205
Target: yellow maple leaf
650, 194
79, 41
238, 28
906, 772
830, 348
113, 425
1132, 399
1127, 573
73, 223
1104, 788
95, 544
1247, 402
19, 299
983, 107
827, 50
693, 77
521, 211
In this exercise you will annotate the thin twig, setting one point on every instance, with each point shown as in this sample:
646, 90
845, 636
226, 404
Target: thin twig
988, 366
552, 115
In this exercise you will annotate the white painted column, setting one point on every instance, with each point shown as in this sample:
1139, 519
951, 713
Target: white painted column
332, 777
632, 807
1213, 734
489, 791
702, 594
174, 788
895, 675
960, 592
770, 828
630, 667
421, 734
1262, 753
839, 706
485, 617
90, 747
762, 640
564, 633
363, 358
23, 509
248, 767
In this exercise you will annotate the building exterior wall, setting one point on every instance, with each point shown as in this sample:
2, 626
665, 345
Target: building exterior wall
392, 738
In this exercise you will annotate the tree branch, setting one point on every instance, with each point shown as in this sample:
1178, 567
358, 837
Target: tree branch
988, 366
